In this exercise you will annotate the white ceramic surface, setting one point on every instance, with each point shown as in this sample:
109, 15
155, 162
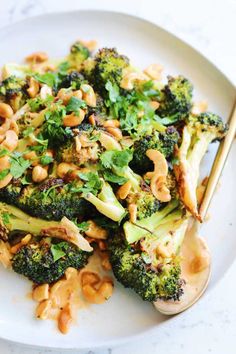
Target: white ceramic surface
144, 43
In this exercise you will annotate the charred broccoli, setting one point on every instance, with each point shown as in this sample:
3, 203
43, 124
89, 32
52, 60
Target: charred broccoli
47, 261
117, 163
164, 142
50, 200
176, 99
13, 91
107, 66
78, 54
151, 279
199, 132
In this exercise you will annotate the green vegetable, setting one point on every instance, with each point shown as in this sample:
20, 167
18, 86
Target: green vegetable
47, 262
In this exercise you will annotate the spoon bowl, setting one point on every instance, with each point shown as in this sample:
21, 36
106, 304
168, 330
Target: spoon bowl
195, 269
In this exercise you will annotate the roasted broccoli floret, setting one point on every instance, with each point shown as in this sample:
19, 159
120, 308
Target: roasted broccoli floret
78, 54
47, 261
13, 219
199, 132
176, 99
117, 163
106, 203
107, 66
152, 267
50, 200
88, 153
72, 79
164, 142
13, 91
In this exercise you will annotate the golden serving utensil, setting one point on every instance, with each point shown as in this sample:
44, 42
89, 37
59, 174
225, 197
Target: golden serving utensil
218, 164
197, 282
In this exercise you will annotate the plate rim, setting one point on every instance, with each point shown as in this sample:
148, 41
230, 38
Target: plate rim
150, 331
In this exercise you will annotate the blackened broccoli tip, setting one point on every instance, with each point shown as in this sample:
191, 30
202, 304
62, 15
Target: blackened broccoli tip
78, 54
163, 142
176, 100
50, 200
132, 272
109, 66
13, 91
36, 262
210, 122
145, 202
73, 79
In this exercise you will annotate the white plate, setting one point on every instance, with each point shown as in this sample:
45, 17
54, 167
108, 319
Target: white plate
125, 315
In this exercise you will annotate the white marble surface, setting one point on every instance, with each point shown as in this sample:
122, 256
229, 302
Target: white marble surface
209, 26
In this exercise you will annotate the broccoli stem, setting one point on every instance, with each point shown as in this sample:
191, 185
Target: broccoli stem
106, 203
18, 220
134, 232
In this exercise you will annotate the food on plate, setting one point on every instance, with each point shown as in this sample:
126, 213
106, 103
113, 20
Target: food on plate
99, 172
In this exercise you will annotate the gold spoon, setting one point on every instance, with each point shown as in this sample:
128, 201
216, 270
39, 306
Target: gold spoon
196, 264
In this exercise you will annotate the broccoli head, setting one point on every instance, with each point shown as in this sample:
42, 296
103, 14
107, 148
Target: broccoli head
13, 91
78, 54
46, 261
50, 200
199, 132
176, 99
117, 163
89, 151
108, 66
72, 79
132, 270
164, 142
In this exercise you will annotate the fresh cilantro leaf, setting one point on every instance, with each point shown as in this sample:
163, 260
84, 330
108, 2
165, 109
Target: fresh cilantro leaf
116, 159
46, 160
50, 79
28, 131
92, 182
83, 226
75, 104
38, 103
111, 177
57, 251
18, 165
3, 152
5, 218
113, 91
24, 180
4, 173
53, 128
63, 67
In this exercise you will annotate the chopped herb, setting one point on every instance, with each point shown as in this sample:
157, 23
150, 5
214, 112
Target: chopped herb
18, 165
111, 177
38, 103
92, 182
113, 91
50, 79
28, 131
57, 250
4, 173
117, 159
3, 152
75, 104
46, 160
83, 226
5, 218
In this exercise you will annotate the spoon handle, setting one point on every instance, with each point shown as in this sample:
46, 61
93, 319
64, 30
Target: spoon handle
218, 164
